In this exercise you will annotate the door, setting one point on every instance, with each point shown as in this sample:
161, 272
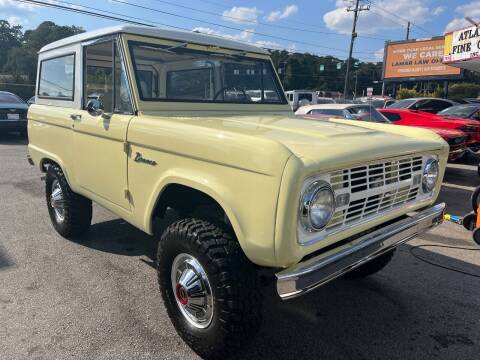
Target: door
100, 135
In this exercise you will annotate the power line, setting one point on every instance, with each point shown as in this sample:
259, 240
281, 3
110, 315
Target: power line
402, 18
254, 22
234, 28
77, 10
125, 19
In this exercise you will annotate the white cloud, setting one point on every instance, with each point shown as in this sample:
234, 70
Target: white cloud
243, 36
379, 54
471, 10
16, 20
11, 4
242, 15
438, 10
375, 20
282, 14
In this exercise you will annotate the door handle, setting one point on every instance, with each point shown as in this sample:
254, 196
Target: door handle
75, 117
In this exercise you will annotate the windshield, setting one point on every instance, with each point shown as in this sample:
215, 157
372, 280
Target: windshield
402, 104
368, 113
166, 73
461, 111
7, 98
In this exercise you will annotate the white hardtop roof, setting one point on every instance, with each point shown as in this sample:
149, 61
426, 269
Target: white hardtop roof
191, 37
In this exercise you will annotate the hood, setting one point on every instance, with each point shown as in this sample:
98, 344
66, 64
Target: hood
326, 142
447, 133
21, 106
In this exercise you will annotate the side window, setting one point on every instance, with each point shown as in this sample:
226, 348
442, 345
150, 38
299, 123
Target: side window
438, 105
105, 78
392, 116
57, 78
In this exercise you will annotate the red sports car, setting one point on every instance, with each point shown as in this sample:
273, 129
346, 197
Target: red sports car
456, 140
471, 128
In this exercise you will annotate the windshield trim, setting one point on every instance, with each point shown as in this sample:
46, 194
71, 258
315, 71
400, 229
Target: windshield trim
265, 62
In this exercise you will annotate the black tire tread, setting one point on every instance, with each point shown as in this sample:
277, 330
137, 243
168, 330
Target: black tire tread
78, 210
237, 288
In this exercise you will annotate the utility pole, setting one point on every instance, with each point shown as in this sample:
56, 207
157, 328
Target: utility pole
408, 30
355, 10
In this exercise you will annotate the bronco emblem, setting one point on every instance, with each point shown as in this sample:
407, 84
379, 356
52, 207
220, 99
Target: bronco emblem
140, 159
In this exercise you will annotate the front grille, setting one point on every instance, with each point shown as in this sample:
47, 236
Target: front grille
374, 189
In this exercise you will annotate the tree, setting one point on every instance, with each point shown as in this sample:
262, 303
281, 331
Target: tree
23, 60
10, 37
46, 33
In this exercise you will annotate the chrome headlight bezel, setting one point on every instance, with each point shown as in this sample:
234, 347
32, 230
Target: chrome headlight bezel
306, 200
431, 167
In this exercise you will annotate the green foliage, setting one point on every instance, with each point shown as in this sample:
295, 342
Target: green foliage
303, 71
10, 37
463, 90
405, 93
19, 52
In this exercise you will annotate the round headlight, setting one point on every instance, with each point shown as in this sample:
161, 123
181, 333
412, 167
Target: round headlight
430, 175
318, 206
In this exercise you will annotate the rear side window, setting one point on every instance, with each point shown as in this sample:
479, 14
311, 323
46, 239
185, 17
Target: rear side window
57, 78
305, 96
391, 116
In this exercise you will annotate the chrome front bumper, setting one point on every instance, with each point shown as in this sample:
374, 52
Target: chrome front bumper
317, 271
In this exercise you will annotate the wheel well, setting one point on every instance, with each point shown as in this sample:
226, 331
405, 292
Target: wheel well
187, 202
45, 163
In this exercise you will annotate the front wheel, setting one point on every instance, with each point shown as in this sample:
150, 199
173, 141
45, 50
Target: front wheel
70, 213
209, 288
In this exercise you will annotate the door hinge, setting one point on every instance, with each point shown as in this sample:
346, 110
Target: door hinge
126, 147
128, 195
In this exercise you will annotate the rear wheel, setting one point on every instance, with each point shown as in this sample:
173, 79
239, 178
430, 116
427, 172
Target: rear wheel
209, 288
372, 267
70, 213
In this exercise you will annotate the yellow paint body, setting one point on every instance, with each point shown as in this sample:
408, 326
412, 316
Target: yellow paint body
252, 159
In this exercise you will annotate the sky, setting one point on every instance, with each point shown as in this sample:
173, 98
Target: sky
319, 27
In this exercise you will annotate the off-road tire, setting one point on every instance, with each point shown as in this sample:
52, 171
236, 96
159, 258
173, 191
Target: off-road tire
234, 283
475, 199
372, 267
78, 209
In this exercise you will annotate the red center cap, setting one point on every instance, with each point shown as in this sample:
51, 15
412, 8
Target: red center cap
181, 294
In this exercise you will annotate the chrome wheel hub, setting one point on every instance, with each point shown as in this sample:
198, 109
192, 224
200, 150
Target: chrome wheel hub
57, 201
192, 290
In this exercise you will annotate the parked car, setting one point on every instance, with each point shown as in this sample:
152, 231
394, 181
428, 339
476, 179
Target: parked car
472, 100
378, 102
325, 100
299, 98
430, 105
471, 128
456, 139
464, 111
230, 185
347, 111
13, 113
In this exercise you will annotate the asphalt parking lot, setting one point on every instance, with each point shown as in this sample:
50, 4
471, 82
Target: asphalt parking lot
98, 299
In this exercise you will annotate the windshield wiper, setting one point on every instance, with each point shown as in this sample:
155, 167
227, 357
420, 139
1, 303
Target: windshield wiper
169, 49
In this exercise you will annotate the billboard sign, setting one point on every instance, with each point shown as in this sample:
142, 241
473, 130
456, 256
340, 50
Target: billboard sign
462, 45
417, 60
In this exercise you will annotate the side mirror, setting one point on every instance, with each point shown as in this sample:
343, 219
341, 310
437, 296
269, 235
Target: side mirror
95, 107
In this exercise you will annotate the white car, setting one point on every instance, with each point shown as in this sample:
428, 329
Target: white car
363, 112
299, 98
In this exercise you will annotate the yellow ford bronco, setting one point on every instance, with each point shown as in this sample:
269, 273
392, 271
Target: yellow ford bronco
149, 122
